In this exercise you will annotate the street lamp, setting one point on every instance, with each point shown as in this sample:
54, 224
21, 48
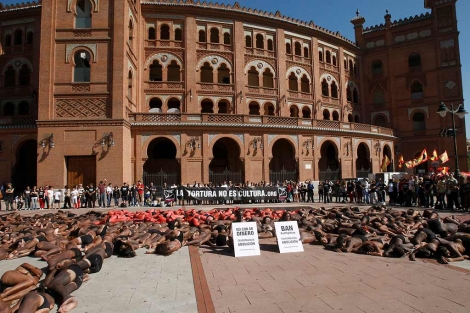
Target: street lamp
460, 112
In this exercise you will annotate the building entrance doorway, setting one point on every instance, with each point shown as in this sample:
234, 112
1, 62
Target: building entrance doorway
328, 166
81, 170
226, 165
363, 161
283, 166
161, 166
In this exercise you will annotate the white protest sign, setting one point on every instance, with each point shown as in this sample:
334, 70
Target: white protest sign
288, 237
245, 239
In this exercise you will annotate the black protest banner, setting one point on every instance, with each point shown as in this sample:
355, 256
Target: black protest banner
227, 193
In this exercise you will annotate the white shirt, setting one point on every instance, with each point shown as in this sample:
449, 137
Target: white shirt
75, 193
50, 193
390, 187
57, 195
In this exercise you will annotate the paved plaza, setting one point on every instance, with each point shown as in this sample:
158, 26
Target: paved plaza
212, 280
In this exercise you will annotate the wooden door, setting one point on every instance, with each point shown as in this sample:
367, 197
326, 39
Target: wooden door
81, 170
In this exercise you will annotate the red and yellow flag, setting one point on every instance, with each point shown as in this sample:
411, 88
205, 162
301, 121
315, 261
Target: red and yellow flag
409, 164
434, 156
401, 161
444, 157
385, 163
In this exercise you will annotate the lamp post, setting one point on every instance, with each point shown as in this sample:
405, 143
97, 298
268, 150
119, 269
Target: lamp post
460, 111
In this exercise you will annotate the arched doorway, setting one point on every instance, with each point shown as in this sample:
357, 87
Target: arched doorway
283, 165
363, 161
328, 165
388, 153
226, 165
161, 165
25, 170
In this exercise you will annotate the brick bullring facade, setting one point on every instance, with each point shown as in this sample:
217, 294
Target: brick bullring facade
185, 91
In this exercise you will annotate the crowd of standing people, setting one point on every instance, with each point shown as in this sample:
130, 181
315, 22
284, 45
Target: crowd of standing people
443, 192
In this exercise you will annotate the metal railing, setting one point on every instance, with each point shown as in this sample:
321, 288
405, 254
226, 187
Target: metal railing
218, 178
282, 176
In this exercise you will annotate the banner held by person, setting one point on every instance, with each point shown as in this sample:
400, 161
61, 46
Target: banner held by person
227, 193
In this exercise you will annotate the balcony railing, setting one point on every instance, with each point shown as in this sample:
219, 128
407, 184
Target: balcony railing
217, 87
300, 95
18, 120
214, 46
262, 90
158, 85
164, 43
327, 66
263, 52
227, 119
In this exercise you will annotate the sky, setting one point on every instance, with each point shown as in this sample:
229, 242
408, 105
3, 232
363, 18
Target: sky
335, 15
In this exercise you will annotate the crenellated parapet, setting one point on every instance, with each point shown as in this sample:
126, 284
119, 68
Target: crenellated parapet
19, 6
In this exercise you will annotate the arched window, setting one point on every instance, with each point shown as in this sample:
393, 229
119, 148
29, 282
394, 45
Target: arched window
156, 72
268, 78
334, 90
227, 39
253, 79
8, 109
174, 72
351, 66
83, 16
178, 34
223, 74
334, 60
414, 60
356, 119
305, 84
131, 33
416, 90
345, 65
129, 85
18, 39
306, 112
328, 57
419, 121
248, 43
348, 94
355, 69
298, 48
253, 108
259, 41
174, 105
82, 67
155, 105
215, 35
207, 75
152, 34
377, 67
25, 76
23, 108
355, 96
207, 106
288, 48
320, 56
324, 88
270, 45
202, 36
335, 116
293, 82
380, 120
224, 107
350, 118
294, 111
306, 54
165, 32
8, 40
29, 38
269, 109
9, 77
379, 96
326, 114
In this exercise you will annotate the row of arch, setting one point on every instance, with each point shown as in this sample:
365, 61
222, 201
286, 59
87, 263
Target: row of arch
20, 77
165, 33
12, 109
414, 61
418, 119
17, 39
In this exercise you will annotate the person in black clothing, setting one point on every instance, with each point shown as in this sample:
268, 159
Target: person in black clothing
326, 191
407, 193
90, 193
125, 194
428, 184
310, 188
